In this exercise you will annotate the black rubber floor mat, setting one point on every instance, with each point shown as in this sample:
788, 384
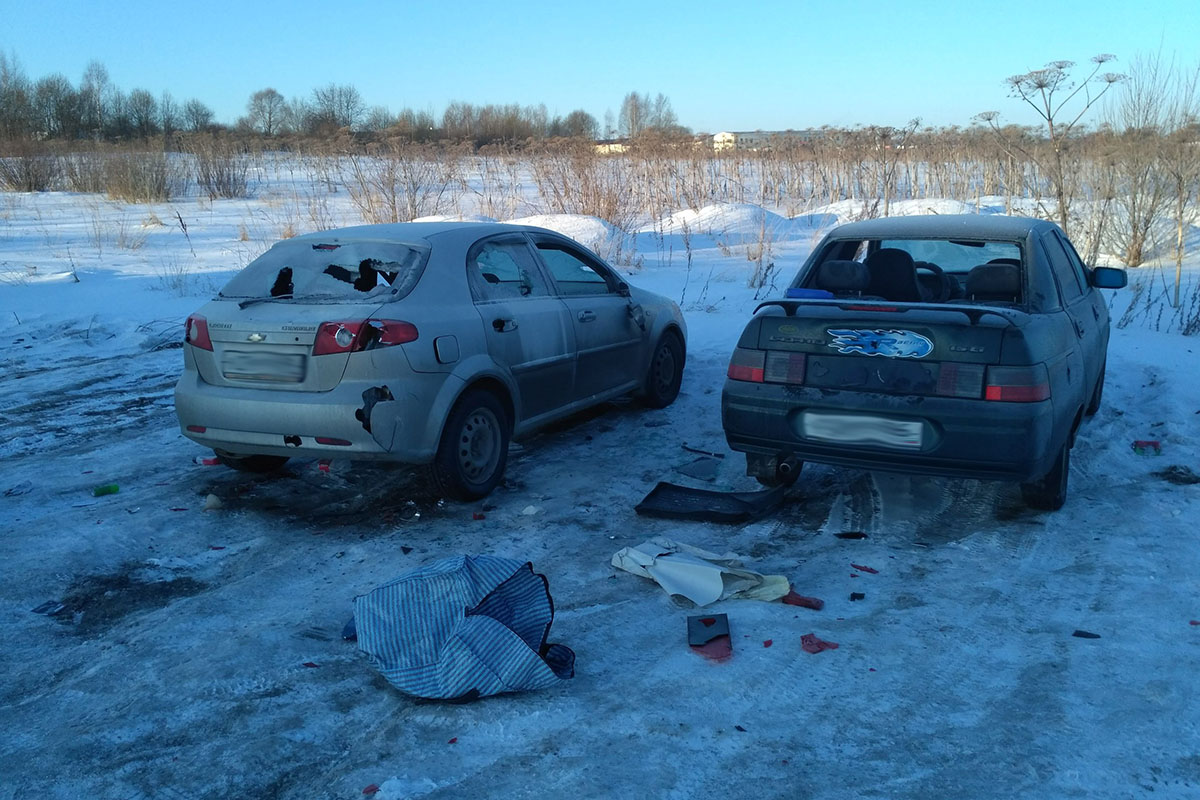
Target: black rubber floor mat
681, 502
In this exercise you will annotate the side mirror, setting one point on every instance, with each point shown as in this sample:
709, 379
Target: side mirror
1109, 278
623, 289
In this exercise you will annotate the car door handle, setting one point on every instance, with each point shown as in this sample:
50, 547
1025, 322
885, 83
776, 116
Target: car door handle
587, 316
504, 325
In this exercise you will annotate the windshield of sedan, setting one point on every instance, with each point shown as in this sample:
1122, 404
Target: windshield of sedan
330, 272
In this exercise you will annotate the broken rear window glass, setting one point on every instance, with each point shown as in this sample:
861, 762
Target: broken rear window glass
331, 272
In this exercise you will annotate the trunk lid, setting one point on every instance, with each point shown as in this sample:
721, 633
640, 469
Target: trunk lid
886, 347
270, 345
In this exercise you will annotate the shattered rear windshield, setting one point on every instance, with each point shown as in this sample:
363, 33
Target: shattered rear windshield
331, 272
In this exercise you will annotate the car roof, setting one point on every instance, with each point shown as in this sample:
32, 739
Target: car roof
416, 231
966, 226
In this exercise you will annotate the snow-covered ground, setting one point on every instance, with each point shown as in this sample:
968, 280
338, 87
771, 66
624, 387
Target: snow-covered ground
200, 653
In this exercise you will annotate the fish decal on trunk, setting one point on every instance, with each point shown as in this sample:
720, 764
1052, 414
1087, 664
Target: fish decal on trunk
889, 344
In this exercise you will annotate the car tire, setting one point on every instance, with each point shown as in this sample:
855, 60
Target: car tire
1049, 492
253, 463
473, 452
666, 372
1098, 393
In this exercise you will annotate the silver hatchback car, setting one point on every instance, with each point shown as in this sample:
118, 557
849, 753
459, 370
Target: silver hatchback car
425, 343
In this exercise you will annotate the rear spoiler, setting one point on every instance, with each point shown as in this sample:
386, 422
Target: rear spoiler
972, 313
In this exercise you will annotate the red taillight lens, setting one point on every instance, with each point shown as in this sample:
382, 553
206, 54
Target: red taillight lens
1017, 384
747, 365
352, 337
784, 368
195, 332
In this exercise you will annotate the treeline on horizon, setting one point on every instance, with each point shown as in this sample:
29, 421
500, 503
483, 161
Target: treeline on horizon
1125, 182
51, 108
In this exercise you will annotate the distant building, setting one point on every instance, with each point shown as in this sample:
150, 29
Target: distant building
608, 147
761, 140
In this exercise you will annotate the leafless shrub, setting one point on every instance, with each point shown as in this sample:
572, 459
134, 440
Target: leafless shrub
139, 176
574, 179
27, 166
222, 168
400, 181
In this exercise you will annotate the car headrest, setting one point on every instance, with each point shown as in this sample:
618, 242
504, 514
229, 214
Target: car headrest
843, 276
994, 282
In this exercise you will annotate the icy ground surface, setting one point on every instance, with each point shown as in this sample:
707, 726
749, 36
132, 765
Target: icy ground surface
199, 654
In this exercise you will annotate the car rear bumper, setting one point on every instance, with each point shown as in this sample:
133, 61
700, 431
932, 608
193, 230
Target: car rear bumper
959, 438
248, 421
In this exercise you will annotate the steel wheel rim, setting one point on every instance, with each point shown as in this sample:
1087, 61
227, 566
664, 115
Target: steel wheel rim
479, 443
664, 370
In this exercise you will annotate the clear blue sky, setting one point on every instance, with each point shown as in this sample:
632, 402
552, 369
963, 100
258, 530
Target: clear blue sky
724, 65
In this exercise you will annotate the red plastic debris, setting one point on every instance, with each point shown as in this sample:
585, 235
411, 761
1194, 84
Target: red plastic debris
719, 649
309, 664
870, 669
708, 622
812, 644
216, 547
323, 466
453, 740
861, 568
793, 599
208, 462
1144, 447
177, 509
1194, 622
372, 789
478, 516
768, 642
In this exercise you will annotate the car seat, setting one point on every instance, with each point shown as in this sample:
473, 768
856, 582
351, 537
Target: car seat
843, 278
994, 283
893, 276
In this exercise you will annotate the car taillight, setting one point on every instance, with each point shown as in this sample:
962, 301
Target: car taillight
784, 367
352, 337
960, 380
195, 332
1017, 384
747, 365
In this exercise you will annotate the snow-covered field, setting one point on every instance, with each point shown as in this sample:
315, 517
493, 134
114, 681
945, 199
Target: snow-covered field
199, 654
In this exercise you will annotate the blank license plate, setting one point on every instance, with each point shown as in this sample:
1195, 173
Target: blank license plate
857, 429
240, 365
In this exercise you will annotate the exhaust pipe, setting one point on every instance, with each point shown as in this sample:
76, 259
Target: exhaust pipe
787, 467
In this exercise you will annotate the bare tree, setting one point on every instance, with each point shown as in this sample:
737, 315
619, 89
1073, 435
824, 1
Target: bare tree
1180, 154
57, 106
170, 115
1137, 122
143, 113
1056, 98
196, 116
632, 119
93, 91
16, 103
337, 106
265, 111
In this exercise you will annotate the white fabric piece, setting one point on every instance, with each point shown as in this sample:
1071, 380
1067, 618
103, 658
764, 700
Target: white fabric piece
696, 574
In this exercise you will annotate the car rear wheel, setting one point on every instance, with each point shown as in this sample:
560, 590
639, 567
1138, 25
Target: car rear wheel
666, 372
253, 463
473, 452
1049, 492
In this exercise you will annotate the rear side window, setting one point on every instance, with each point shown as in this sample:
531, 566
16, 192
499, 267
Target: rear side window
331, 272
1070, 282
505, 270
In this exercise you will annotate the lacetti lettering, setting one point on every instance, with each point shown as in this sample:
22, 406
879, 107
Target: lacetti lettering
889, 344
